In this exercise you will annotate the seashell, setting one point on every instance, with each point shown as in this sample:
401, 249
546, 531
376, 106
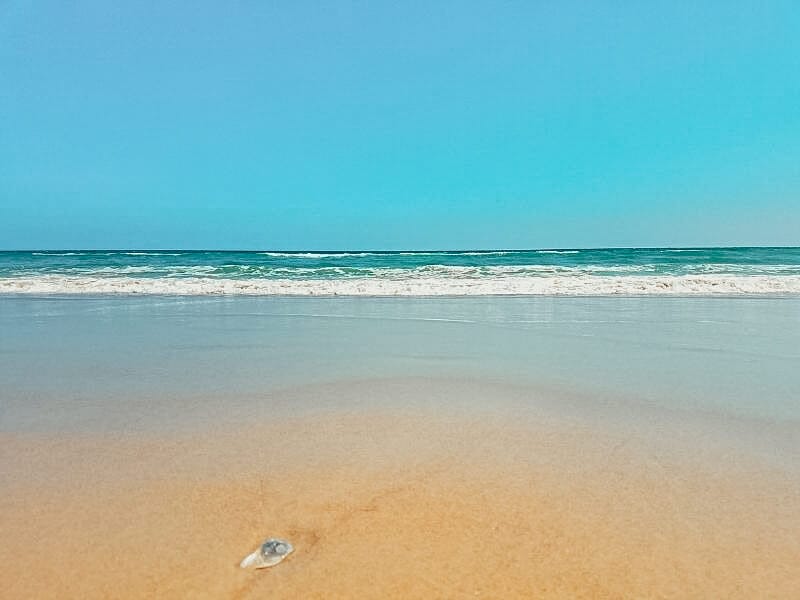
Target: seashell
271, 552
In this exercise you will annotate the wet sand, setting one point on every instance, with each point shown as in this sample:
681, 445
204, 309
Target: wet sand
400, 500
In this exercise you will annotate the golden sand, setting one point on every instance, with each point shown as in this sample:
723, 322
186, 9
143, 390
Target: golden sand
392, 504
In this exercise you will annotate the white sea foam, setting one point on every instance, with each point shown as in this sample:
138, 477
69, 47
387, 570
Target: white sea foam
95, 253
317, 254
296, 271
151, 253
684, 249
579, 285
478, 253
314, 255
744, 268
166, 270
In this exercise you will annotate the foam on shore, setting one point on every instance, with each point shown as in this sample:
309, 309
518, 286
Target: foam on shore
454, 284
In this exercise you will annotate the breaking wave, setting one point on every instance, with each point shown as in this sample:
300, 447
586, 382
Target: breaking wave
602, 271
558, 285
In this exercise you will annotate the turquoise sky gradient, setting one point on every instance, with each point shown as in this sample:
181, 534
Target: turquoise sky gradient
398, 125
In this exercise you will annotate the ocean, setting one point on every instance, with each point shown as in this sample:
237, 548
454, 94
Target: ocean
596, 272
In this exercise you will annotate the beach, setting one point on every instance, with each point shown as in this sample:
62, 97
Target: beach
413, 447
386, 300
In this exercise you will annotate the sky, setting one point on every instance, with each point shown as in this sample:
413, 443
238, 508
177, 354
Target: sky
398, 125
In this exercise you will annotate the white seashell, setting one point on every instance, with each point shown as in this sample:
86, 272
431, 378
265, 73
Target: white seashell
271, 552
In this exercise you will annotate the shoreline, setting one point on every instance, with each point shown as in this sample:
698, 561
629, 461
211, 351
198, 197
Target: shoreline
453, 286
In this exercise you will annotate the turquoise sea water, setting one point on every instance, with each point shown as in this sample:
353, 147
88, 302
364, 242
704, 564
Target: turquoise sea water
631, 271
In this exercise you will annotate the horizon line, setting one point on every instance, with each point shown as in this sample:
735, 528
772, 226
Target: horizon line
383, 251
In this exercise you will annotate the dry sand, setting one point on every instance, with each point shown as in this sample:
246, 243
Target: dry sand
394, 503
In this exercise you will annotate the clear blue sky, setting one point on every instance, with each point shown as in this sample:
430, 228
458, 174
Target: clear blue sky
337, 125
